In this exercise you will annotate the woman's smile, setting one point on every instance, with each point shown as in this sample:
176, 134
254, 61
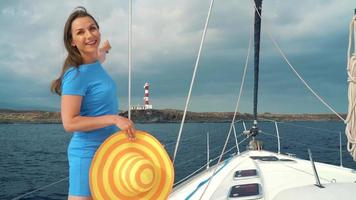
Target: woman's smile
91, 43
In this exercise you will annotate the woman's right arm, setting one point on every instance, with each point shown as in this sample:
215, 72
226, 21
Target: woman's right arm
72, 121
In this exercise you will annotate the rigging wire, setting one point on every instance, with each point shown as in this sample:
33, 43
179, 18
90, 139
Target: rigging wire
296, 73
190, 175
192, 82
236, 109
213, 150
185, 178
129, 58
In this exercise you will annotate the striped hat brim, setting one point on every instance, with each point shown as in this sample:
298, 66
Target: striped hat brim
127, 170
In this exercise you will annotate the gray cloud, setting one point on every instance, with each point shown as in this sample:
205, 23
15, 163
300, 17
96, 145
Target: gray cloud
166, 37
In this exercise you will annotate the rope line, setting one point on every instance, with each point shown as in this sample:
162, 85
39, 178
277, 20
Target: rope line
190, 175
41, 188
306, 172
237, 145
192, 81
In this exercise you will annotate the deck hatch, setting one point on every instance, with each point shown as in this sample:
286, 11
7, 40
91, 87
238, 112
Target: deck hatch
249, 173
265, 158
245, 190
287, 160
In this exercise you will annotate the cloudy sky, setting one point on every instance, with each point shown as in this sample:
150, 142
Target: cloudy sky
166, 36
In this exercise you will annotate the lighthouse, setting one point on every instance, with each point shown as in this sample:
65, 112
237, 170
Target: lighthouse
146, 103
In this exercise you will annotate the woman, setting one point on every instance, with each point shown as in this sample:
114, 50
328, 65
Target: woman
88, 99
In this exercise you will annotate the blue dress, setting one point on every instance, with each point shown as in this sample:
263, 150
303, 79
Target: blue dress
98, 90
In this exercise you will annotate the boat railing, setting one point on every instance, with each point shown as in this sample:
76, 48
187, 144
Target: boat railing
210, 161
236, 146
210, 150
299, 143
277, 136
307, 145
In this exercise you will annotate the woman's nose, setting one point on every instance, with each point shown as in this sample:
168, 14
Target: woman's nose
88, 34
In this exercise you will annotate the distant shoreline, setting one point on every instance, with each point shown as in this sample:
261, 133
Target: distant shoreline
8, 116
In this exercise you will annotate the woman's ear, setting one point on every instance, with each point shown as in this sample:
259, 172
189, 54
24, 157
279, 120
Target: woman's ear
72, 43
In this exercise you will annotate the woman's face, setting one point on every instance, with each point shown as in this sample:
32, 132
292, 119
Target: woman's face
86, 37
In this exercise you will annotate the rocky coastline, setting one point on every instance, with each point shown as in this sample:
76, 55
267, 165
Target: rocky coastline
8, 116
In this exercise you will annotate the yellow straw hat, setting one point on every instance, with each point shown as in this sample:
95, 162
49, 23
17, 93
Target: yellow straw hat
127, 170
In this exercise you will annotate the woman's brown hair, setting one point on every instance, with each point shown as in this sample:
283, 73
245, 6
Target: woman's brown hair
74, 59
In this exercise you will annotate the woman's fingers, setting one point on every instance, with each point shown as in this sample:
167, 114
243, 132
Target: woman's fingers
106, 46
131, 132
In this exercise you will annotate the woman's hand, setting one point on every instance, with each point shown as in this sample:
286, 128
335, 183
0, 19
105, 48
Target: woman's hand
105, 47
103, 50
126, 125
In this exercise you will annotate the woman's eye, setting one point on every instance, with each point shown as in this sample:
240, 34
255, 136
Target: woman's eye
93, 28
80, 32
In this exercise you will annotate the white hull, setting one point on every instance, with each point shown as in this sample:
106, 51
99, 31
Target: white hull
279, 180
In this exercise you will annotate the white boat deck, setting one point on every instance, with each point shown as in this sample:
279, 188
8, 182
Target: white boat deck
286, 178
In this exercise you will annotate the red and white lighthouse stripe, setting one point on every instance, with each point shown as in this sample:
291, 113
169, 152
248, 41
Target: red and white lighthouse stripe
146, 97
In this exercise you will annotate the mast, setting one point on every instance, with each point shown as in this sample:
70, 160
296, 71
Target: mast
257, 35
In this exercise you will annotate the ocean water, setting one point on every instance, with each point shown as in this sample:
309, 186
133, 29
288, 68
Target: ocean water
34, 155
